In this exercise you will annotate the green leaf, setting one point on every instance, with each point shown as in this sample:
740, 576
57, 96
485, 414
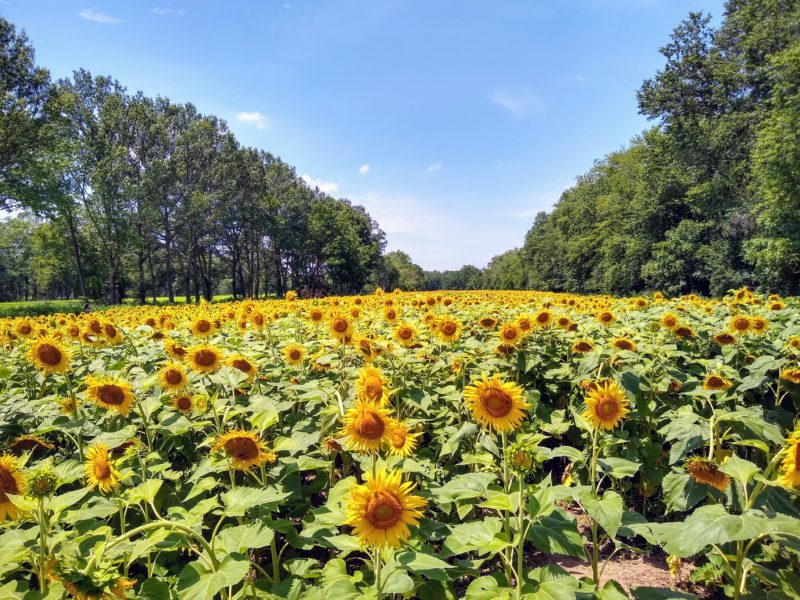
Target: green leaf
144, 492
244, 537
619, 468
555, 534
741, 470
611, 591
471, 537
652, 593
487, 588
681, 492
606, 512
241, 499
195, 582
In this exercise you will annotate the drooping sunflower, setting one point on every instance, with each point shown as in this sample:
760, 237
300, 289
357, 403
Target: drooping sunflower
606, 405
366, 427
243, 364
201, 327
49, 355
100, 470
172, 377
111, 394
383, 508
111, 334
791, 463
12, 481
683, 331
244, 448
448, 329
622, 343
496, 404
716, 382
341, 326
294, 354
582, 346
792, 375
371, 387
405, 334
707, 471
204, 358
510, 334
29, 443
740, 324
175, 350
723, 338
487, 322
401, 441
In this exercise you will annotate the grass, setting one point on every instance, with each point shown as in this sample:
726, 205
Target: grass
32, 308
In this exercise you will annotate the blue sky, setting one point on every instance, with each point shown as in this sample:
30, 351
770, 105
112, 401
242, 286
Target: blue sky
452, 121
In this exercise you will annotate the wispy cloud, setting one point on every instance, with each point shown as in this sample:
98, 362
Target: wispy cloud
434, 167
95, 16
255, 118
520, 103
363, 169
165, 12
326, 187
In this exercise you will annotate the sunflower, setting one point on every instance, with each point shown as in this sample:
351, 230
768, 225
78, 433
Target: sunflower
370, 386
582, 346
243, 364
563, 322
525, 323
544, 317
365, 346
294, 354
448, 329
111, 334
621, 343
716, 382
201, 327
759, 325
707, 472
510, 334
405, 334
487, 322
100, 471
29, 443
496, 404
12, 481
401, 442
315, 315
606, 317
791, 464
390, 314
366, 426
383, 508
244, 448
723, 338
48, 355
111, 394
341, 326
792, 375
172, 377
740, 324
606, 405
683, 331
185, 404
23, 329
669, 321
204, 358
175, 350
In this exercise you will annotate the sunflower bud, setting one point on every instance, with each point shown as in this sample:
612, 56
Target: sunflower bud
42, 483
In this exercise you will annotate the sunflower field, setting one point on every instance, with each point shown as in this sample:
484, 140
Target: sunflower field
402, 445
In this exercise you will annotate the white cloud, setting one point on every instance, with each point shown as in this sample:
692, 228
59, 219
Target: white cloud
519, 103
434, 167
163, 12
98, 17
363, 169
326, 187
253, 118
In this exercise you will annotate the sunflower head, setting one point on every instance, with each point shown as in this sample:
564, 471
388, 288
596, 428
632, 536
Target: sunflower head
405, 334
723, 338
100, 470
790, 467
110, 394
606, 405
521, 456
496, 404
243, 364
715, 382
173, 377
29, 443
400, 440
244, 449
371, 387
382, 510
49, 355
12, 482
341, 326
202, 327
294, 354
791, 374
510, 334
622, 343
367, 427
204, 358
707, 471
543, 318
42, 483
740, 324
582, 346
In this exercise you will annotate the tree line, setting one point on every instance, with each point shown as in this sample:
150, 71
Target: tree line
121, 194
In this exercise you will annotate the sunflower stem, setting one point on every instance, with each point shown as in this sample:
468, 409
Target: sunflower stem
377, 565
276, 563
595, 557
42, 517
75, 414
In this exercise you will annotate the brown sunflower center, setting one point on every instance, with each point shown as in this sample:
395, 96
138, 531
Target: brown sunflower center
243, 365
606, 317
405, 333
583, 346
340, 325
295, 354
741, 323
715, 382
607, 408
624, 344
178, 351
173, 377
496, 402
258, 319
111, 394
542, 318
242, 448
25, 329
383, 510
203, 326
670, 321
101, 469
370, 426
183, 403
373, 388
8, 485
391, 315
49, 354
398, 438
448, 328
509, 333
205, 358
316, 315
110, 330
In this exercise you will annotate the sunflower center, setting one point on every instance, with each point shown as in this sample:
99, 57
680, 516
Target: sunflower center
509, 333
606, 317
607, 408
542, 318
715, 382
243, 365
178, 351
110, 330
741, 323
25, 329
496, 402
295, 354
390, 314
371, 426
624, 345
173, 377
101, 470
8, 485
340, 325
383, 510
373, 388
583, 346
669, 321
203, 326
398, 438
448, 328
184, 403
49, 354
405, 333
205, 358
258, 319
111, 394
242, 448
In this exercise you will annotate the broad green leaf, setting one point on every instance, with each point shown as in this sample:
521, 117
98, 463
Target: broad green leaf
739, 469
606, 511
681, 492
244, 537
471, 537
652, 593
619, 467
555, 534
239, 500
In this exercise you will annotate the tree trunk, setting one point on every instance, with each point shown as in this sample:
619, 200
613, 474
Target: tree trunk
76, 252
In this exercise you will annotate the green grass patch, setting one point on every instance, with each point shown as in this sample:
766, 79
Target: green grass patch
34, 308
